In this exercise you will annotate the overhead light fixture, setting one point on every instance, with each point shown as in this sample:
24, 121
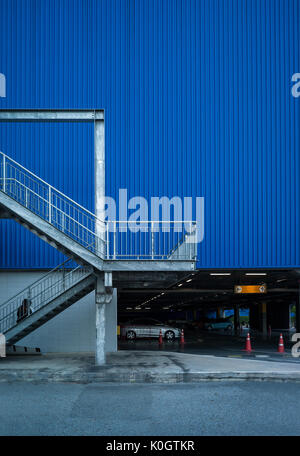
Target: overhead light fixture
189, 280
128, 308
147, 308
220, 273
256, 273
180, 284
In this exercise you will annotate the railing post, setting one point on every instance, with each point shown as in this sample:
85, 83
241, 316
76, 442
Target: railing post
190, 243
4, 173
49, 202
152, 240
107, 240
64, 278
115, 239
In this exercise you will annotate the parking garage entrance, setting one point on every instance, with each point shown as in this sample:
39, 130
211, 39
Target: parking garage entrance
209, 309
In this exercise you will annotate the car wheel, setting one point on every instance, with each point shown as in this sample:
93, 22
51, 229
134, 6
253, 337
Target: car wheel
169, 335
130, 335
209, 328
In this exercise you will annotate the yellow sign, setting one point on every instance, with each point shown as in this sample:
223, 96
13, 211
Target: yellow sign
250, 289
118, 330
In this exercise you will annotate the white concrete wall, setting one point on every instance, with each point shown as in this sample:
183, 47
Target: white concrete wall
73, 330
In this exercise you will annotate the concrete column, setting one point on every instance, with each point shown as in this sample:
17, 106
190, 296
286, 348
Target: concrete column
2, 346
100, 332
254, 316
263, 319
279, 315
236, 319
106, 320
220, 312
99, 157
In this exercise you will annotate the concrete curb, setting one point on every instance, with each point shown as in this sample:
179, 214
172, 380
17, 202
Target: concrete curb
48, 376
142, 367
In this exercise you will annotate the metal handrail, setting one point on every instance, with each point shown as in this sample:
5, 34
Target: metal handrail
50, 186
40, 293
59, 267
150, 239
141, 239
181, 241
52, 205
47, 202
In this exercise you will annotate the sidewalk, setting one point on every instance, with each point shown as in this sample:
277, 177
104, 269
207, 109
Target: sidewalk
140, 367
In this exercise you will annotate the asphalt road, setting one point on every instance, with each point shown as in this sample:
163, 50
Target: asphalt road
208, 408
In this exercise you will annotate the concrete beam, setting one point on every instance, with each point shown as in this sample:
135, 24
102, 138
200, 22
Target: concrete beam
147, 277
177, 290
30, 115
149, 265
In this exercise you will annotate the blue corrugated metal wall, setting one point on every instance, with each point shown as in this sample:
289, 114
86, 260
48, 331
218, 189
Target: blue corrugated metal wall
197, 98
63, 155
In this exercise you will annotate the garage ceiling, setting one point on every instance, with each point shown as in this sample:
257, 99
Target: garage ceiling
202, 289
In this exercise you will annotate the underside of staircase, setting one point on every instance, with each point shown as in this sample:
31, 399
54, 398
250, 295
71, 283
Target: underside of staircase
47, 309
48, 232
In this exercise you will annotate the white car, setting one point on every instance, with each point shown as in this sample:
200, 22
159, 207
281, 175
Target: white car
148, 327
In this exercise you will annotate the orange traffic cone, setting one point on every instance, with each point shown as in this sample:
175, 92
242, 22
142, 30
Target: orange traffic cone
248, 344
160, 338
280, 345
182, 337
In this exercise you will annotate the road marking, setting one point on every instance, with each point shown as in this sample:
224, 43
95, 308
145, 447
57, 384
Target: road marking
234, 356
262, 356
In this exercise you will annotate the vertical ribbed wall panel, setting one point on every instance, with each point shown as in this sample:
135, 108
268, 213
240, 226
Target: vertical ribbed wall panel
197, 99
63, 155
